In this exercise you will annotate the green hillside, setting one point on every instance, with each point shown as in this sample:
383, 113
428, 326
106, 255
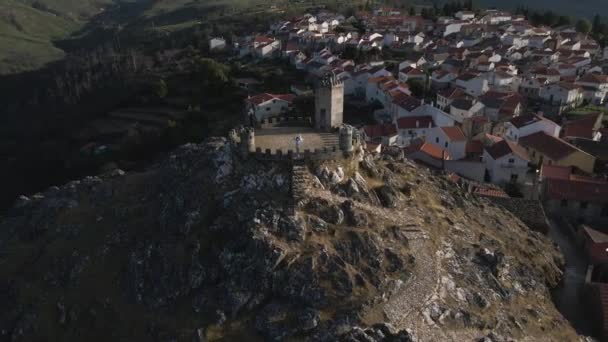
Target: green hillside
26, 32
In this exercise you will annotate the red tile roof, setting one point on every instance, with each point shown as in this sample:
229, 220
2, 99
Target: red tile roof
474, 147
594, 78
408, 102
490, 192
504, 147
265, 97
554, 148
560, 189
454, 133
556, 172
527, 119
411, 122
433, 151
582, 128
451, 93
380, 130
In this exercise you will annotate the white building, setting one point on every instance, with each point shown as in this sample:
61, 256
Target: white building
473, 84
524, 125
217, 43
563, 93
465, 15
506, 162
413, 127
267, 105
452, 139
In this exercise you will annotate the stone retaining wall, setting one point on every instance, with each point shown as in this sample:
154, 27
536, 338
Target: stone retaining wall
530, 212
285, 121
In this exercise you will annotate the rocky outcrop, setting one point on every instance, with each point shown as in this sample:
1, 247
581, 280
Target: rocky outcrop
202, 247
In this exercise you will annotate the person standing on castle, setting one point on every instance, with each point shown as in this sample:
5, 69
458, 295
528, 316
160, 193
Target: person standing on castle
299, 140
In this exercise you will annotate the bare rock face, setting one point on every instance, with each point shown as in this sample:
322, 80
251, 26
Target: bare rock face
204, 246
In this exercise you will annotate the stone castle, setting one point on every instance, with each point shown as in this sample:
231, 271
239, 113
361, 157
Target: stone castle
328, 119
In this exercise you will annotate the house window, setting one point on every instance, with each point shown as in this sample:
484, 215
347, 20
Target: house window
446, 144
268, 109
584, 205
437, 140
514, 177
274, 101
564, 203
511, 161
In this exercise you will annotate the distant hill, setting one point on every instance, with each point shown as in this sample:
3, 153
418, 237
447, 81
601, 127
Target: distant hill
579, 8
27, 29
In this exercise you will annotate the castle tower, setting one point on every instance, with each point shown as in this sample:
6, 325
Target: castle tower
329, 103
345, 139
247, 140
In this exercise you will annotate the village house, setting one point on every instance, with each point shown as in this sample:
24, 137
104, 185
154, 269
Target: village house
447, 96
531, 87
506, 162
404, 106
266, 105
217, 43
501, 106
441, 79
384, 134
473, 84
465, 15
409, 73
464, 108
574, 196
427, 154
261, 47
545, 149
564, 94
452, 139
587, 127
524, 125
595, 87
413, 127
383, 89
595, 245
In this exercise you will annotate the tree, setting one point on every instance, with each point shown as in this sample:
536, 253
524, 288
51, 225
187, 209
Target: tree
549, 18
583, 26
563, 20
213, 75
597, 24
416, 87
160, 89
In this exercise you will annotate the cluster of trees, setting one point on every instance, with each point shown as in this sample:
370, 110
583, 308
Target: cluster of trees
598, 28
547, 18
448, 9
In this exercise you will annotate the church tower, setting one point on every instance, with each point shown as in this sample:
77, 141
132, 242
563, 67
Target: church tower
329, 103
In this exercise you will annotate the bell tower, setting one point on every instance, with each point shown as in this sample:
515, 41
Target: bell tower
329, 103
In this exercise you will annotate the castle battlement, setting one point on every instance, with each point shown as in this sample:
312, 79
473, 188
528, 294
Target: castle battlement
327, 147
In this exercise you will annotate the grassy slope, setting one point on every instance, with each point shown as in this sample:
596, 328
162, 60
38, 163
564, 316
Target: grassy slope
26, 34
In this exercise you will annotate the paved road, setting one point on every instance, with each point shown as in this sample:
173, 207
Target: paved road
567, 296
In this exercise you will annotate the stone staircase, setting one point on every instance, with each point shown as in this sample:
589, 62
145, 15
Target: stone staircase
299, 180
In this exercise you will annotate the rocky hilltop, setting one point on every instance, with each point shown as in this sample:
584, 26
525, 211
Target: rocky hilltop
210, 246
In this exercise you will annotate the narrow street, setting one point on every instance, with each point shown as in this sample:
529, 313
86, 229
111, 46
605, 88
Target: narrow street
567, 296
